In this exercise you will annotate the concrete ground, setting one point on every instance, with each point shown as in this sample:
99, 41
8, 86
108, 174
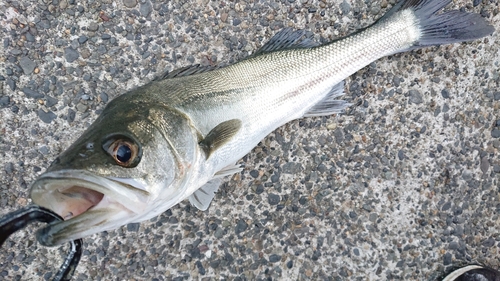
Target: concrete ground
403, 186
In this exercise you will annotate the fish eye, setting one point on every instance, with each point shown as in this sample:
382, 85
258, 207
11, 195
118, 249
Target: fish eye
124, 151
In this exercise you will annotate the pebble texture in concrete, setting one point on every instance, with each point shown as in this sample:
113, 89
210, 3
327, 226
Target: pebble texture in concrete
403, 186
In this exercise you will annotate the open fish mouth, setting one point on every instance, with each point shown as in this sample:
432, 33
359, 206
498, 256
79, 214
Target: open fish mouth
87, 202
74, 200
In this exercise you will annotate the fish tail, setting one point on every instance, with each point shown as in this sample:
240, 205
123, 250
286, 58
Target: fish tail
441, 28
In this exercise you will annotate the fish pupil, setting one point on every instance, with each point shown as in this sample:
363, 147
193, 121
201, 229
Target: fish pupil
123, 153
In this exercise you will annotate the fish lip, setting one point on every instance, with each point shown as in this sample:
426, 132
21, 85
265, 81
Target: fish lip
113, 202
45, 189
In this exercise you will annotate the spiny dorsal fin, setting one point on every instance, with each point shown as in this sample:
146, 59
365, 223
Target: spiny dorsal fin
186, 71
283, 40
287, 39
220, 135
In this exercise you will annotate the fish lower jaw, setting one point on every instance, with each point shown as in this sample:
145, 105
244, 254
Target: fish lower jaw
106, 215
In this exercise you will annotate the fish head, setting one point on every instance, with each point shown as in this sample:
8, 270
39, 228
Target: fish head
122, 169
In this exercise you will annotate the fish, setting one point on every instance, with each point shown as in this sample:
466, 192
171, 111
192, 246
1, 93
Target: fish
178, 136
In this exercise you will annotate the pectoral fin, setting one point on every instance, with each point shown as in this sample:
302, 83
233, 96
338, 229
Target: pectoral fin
220, 135
202, 197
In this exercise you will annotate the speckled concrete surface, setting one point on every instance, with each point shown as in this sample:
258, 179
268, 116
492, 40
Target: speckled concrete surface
404, 186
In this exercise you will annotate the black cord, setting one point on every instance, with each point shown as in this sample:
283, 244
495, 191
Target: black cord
19, 219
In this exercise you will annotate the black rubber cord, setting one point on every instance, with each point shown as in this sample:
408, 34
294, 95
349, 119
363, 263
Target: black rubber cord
19, 219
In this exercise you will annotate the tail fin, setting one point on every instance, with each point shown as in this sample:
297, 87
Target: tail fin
444, 28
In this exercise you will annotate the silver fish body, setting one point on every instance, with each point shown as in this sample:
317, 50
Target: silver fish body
176, 137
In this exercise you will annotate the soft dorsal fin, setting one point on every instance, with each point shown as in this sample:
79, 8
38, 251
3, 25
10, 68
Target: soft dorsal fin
329, 104
185, 71
220, 135
287, 39
202, 197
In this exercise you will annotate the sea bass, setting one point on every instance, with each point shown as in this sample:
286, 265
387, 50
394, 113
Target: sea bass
178, 136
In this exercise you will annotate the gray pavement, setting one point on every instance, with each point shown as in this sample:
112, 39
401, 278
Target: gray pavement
404, 186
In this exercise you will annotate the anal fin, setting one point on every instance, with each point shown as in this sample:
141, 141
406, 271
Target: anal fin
330, 104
